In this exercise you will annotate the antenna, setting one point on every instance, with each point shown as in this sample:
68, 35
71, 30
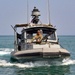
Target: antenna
48, 11
27, 12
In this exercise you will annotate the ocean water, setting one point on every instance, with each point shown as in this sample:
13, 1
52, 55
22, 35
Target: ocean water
7, 67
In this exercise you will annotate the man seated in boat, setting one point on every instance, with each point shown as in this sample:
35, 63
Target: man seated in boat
38, 37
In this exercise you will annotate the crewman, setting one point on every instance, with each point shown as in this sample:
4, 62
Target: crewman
38, 37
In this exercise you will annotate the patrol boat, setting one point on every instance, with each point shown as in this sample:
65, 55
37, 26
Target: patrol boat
48, 48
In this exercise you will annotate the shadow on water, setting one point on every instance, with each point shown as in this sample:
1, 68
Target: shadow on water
52, 70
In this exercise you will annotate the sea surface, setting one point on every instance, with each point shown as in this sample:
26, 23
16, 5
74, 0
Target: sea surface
7, 67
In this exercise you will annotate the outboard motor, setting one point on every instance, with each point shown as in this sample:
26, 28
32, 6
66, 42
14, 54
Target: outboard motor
35, 15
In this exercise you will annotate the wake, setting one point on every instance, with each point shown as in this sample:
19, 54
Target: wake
4, 63
5, 51
68, 62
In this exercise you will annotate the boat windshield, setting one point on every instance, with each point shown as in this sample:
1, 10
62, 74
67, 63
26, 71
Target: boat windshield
45, 36
43, 33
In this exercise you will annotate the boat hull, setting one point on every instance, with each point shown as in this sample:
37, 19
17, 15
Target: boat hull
40, 54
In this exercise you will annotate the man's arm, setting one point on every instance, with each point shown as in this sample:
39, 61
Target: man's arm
33, 38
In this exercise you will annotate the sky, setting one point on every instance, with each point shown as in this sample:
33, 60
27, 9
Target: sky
62, 14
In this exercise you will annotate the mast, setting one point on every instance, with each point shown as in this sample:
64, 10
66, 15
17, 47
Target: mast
48, 5
27, 12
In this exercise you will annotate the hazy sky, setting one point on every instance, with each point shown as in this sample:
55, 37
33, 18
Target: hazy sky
62, 14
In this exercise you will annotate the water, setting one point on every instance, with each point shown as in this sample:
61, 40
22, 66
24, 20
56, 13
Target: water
7, 67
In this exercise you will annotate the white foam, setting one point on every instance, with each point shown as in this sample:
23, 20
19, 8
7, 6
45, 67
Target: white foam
5, 51
8, 64
68, 62
4, 63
